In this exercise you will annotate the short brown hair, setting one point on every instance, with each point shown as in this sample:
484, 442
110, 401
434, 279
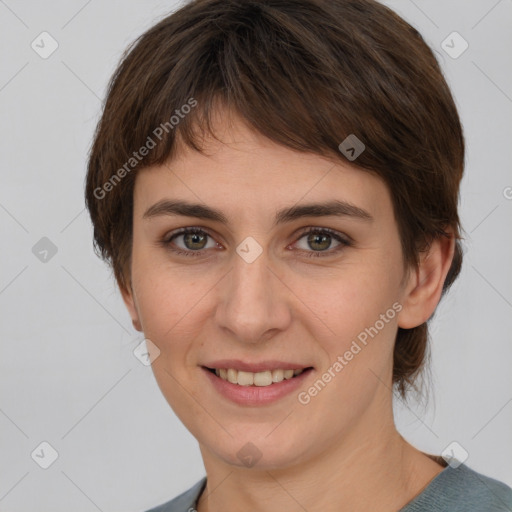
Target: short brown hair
306, 74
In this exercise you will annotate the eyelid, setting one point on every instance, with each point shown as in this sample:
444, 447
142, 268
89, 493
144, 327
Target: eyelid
342, 238
183, 231
308, 229
166, 241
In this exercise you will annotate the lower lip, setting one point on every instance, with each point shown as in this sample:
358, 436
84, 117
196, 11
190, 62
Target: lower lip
256, 395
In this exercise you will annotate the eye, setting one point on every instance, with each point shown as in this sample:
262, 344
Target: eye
320, 240
194, 242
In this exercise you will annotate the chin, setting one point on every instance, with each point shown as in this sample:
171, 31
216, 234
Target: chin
261, 451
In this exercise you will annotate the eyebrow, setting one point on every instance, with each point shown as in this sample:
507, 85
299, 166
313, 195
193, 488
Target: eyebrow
332, 208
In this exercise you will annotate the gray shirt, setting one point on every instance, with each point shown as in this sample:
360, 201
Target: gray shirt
453, 490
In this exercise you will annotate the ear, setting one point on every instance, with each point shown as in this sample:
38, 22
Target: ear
424, 286
129, 300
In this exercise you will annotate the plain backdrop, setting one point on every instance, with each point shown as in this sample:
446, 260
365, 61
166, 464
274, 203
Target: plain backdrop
68, 375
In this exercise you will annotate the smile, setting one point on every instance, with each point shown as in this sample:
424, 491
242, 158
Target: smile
256, 388
264, 378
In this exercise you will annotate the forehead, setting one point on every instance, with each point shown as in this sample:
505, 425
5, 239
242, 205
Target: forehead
241, 169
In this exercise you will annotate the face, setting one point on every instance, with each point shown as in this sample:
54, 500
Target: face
257, 289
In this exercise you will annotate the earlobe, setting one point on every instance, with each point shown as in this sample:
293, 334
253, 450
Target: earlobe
128, 299
425, 285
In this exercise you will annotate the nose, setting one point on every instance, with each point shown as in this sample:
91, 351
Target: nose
254, 303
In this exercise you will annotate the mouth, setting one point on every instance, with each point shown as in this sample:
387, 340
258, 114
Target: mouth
263, 378
256, 383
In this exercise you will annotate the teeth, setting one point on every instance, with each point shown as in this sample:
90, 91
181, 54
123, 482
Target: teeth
245, 378
261, 378
288, 374
265, 378
277, 375
232, 376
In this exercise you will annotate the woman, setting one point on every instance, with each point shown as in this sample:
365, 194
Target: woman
275, 184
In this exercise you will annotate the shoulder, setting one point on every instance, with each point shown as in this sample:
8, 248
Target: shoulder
462, 489
480, 491
185, 502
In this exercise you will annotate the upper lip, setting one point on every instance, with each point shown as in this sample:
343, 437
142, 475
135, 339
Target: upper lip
255, 367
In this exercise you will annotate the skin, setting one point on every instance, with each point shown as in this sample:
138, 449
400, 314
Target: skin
341, 451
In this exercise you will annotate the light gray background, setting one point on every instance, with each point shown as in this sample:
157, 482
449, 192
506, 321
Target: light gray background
68, 375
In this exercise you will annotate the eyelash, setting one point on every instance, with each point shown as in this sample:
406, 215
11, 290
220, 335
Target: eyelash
344, 241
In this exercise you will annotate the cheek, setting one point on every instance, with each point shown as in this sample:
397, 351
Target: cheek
173, 316
169, 304
359, 356
356, 300
361, 313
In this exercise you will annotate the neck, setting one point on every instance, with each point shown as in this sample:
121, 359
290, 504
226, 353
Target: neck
370, 467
